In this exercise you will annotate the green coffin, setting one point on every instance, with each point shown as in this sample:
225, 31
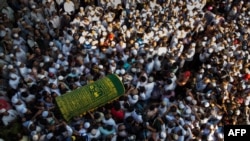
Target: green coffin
90, 97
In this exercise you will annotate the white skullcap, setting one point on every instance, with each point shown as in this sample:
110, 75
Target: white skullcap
100, 66
150, 79
33, 6
206, 104
46, 59
16, 35
93, 131
175, 136
181, 106
135, 97
54, 48
49, 136
60, 77
104, 33
1, 54
134, 52
18, 63
189, 98
122, 71
133, 69
60, 56
14, 100
45, 114
208, 66
202, 70
2, 110
67, 41
86, 125
41, 64
237, 112
35, 137
11, 55
51, 43
10, 67
194, 102
188, 111
24, 110
118, 72
210, 50
57, 66
163, 135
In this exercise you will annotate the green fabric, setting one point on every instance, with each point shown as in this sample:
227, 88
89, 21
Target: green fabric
90, 97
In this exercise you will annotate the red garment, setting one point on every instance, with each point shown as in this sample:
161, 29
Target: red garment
247, 77
187, 74
111, 36
118, 115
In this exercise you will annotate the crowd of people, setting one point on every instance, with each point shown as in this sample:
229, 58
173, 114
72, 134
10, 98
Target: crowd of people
184, 66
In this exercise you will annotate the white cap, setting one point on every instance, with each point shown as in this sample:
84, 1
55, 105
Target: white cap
206, 104
2, 110
163, 135
33, 6
100, 66
134, 52
18, 63
16, 35
136, 97
45, 114
67, 41
188, 111
54, 48
49, 136
57, 66
1, 54
189, 98
93, 47
86, 125
35, 137
118, 72
11, 55
15, 47
60, 56
41, 64
122, 71
93, 131
10, 67
46, 59
150, 79
60, 77
14, 100
237, 112
181, 106
51, 43
194, 102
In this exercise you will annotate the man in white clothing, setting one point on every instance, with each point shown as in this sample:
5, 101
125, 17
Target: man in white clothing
69, 7
8, 116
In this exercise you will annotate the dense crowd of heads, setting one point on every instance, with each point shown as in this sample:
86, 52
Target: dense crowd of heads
184, 66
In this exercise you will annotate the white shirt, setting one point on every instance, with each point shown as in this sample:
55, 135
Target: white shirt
69, 7
7, 119
14, 81
109, 121
149, 88
66, 49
